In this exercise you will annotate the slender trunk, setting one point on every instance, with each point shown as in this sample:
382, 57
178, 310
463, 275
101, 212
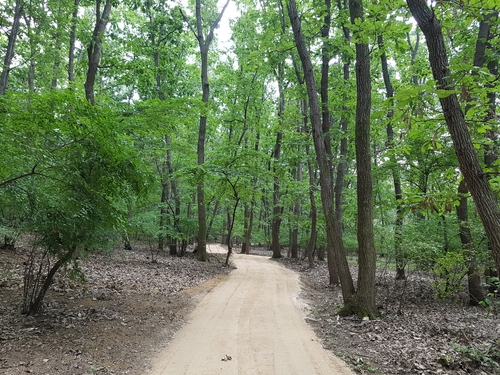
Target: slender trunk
56, 47
214, 214
165, 196
276, 219
246, 220
476, 293
95, 47
325, 175
474, 176
332, 247
248, 234
204, 44
230, 220
396, 177
9, 53
35, 306
342, 161
72, 41
363, 303
312, 188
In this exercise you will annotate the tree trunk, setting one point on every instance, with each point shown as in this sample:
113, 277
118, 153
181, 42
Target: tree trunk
230, 221
248, 234
326, 125
475, 178
476, 293
34, 307
396, 177
312, 188
95, 47
277, 209
294, 246
325, 172
72, 41
204, 44
9, 53
165, 195
363, 303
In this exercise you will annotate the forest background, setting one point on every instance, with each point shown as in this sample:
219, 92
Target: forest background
334, 130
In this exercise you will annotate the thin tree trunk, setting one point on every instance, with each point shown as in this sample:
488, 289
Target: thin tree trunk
476, 293
204, 44
312, 188
214, 214
277, 209
94, 48
325, 123
342, 163
327, 191
396, 177
175, 195
72, 41
363, 303
9, 53
34, 307
474, 176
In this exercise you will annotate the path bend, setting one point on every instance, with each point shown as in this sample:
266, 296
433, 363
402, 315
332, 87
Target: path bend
253, 317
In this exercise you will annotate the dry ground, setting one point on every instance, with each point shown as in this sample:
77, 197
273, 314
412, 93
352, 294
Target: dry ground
250, 324
416, 332
129, 309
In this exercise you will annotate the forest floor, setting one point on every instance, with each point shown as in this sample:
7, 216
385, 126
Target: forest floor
129, 308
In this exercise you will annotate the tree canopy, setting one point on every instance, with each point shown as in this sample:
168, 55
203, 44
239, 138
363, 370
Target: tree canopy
345, 129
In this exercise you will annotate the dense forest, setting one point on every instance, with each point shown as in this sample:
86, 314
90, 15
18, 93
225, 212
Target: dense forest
334, 130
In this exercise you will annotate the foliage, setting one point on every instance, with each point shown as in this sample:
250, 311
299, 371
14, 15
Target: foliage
450, 268
73, 176
481, 354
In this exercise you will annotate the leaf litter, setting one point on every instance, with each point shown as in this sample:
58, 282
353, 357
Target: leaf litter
417, 333
115, 322
129, 308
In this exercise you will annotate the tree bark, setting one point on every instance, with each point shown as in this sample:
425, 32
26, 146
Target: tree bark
325, 175
475, 178
204, 44
9, 53
72, 42
294, 246
277, 209
326, 125
476, 293
396, 176
95, 47
312, 199
363, 303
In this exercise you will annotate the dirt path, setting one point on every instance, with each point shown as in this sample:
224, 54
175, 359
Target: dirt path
253, 317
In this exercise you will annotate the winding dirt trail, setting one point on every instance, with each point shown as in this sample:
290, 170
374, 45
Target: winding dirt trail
254, 318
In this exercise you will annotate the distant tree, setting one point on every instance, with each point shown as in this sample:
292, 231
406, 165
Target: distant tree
11, 45
95, 46
204, 42
475, 178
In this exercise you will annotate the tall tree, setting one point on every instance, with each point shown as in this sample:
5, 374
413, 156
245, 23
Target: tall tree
396, 176
363, 303
475, 178
95, 46
325, 172
204, 44
72, 43
9, 53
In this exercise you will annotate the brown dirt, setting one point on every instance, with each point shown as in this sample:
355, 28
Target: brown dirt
127, 312
115, 323
249, 324
417, 333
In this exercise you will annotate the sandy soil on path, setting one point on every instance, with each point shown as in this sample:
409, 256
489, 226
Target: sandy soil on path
251, 323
